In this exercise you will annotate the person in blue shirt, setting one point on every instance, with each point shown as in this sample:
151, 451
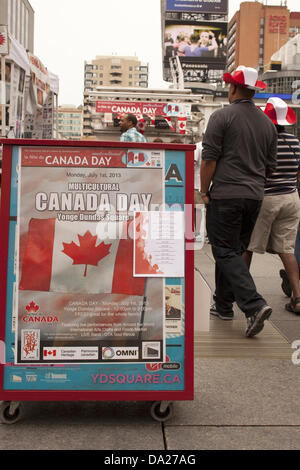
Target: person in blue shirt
128, 124
204, 45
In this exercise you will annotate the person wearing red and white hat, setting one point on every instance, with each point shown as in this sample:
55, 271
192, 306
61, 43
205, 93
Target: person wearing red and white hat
277, 225
239, 149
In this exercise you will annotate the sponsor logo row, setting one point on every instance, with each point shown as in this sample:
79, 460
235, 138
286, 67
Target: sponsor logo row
150, 350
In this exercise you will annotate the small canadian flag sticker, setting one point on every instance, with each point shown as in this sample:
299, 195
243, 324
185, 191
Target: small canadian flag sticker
49, 352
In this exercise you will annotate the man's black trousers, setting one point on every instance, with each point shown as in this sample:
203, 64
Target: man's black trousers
229, 224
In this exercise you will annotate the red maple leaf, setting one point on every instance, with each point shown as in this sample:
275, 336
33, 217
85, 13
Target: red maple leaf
2, 39
87, 252
32, 307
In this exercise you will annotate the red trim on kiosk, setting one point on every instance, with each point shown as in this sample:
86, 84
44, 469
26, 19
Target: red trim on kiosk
80, 395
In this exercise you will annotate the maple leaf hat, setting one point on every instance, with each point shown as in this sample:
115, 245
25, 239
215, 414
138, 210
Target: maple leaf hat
279, 112
245, 77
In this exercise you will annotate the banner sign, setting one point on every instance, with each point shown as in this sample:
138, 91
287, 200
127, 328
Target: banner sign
78, 318
140, 108
40, 81
198, 6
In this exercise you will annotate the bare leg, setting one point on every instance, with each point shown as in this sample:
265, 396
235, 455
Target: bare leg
291, 267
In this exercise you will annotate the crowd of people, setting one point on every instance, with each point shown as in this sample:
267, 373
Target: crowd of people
249, 178
197, 44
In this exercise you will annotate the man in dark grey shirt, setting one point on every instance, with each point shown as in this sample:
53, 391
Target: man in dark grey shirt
239, 151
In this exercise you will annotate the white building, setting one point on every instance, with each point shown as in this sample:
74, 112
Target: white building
19, 16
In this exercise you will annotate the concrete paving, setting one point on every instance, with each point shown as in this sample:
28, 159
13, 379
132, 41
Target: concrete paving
242, 400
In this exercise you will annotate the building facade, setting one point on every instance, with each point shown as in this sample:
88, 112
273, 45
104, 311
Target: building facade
256, 31
283, 76
294, 23
115, 71
69, 122
19, 16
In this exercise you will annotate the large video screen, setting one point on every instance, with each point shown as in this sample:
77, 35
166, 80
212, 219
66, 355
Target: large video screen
196, 42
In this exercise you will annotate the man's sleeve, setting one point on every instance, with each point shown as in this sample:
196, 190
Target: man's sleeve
272, 157
212, 144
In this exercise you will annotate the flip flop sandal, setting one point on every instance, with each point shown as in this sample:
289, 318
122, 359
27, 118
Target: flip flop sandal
293, 306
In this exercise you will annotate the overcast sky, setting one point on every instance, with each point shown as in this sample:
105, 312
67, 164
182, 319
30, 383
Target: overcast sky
68, 32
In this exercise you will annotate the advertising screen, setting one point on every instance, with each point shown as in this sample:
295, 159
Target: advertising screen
206, 6
196, 43
196, 33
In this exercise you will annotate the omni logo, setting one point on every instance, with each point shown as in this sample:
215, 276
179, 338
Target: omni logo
120, 353
108, 353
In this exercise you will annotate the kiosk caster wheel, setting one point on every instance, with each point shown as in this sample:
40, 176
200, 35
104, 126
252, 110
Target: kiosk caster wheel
10, 412
162, 411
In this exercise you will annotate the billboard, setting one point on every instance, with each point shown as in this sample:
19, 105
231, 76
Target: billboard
196, 33
198, 6
198, 46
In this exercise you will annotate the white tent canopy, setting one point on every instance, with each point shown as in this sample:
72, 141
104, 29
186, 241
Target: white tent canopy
18, 55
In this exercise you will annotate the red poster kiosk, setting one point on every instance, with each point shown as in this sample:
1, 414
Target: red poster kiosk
77, 322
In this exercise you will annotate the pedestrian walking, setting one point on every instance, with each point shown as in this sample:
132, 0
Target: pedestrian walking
285, 284
128, 124
239, 150
276, 228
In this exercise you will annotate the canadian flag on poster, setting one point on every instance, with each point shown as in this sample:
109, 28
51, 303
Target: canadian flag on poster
85, 257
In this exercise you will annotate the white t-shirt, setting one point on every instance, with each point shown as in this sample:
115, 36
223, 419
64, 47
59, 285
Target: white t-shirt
197, 164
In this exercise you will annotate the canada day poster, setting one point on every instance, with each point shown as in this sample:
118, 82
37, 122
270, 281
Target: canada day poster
77, 297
